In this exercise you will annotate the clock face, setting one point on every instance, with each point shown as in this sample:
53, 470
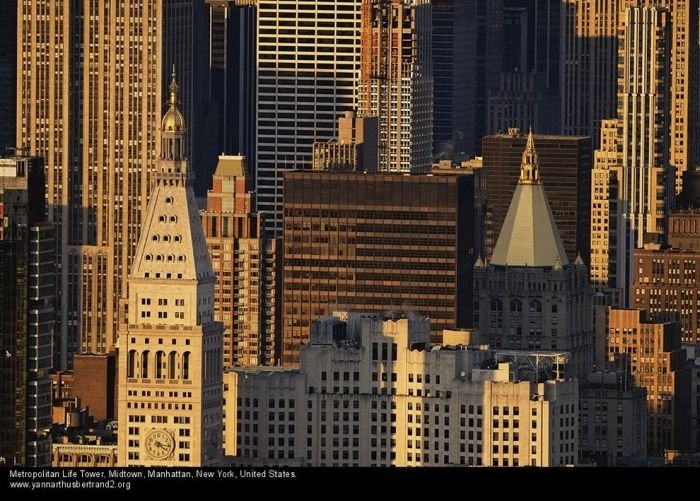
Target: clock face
160, 444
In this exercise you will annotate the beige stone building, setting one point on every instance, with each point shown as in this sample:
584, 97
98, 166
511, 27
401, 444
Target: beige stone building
170, 346
606, 215
77, 107
372, 391
246, 261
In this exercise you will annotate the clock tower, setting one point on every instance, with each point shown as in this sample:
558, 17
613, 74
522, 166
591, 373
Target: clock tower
170, 347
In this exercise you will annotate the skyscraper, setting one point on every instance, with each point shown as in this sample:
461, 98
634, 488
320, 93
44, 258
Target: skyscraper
478, 67
27, 314
447, 44
396, 83
308, 63
607, 218
89, 101
232, 77
527, 94
589, 71
372, 242
528, 296
634, 156
8, 73
185, 43
611, 398
247, 265
168, 338
521, 100
593, 34
651, 352
645, 89
537, 26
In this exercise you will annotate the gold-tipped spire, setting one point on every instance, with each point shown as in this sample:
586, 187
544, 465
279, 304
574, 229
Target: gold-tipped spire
173, 120
529, 235
530, 165
174, 89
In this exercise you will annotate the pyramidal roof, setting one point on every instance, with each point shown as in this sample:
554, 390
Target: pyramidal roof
529, 236
172, 245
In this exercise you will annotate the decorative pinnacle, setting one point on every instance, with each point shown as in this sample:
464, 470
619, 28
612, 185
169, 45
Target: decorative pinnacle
174, 89
530, 165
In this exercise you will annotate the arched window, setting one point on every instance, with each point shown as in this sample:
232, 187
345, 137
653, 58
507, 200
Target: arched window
144, 364
516, 306
535, 306
173, 219
160, 363
186, 365
172, 364
162, 219
178, 238
131, 365
169, 200
496, 314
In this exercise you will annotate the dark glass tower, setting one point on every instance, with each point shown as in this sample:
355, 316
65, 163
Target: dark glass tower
27, 312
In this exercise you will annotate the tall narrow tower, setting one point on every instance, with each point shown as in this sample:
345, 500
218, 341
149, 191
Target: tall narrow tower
528, 296
633, 177
170, 347
396, 83
593, 47
307, 65
644, 90
88, 102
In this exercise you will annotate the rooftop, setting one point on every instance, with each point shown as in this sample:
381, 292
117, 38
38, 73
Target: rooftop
529, 236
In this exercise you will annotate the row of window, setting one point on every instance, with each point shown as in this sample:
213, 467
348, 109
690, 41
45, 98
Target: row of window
170, 258
172, 366
516, 305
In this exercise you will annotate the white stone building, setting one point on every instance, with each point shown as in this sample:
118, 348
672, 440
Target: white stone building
372, 391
